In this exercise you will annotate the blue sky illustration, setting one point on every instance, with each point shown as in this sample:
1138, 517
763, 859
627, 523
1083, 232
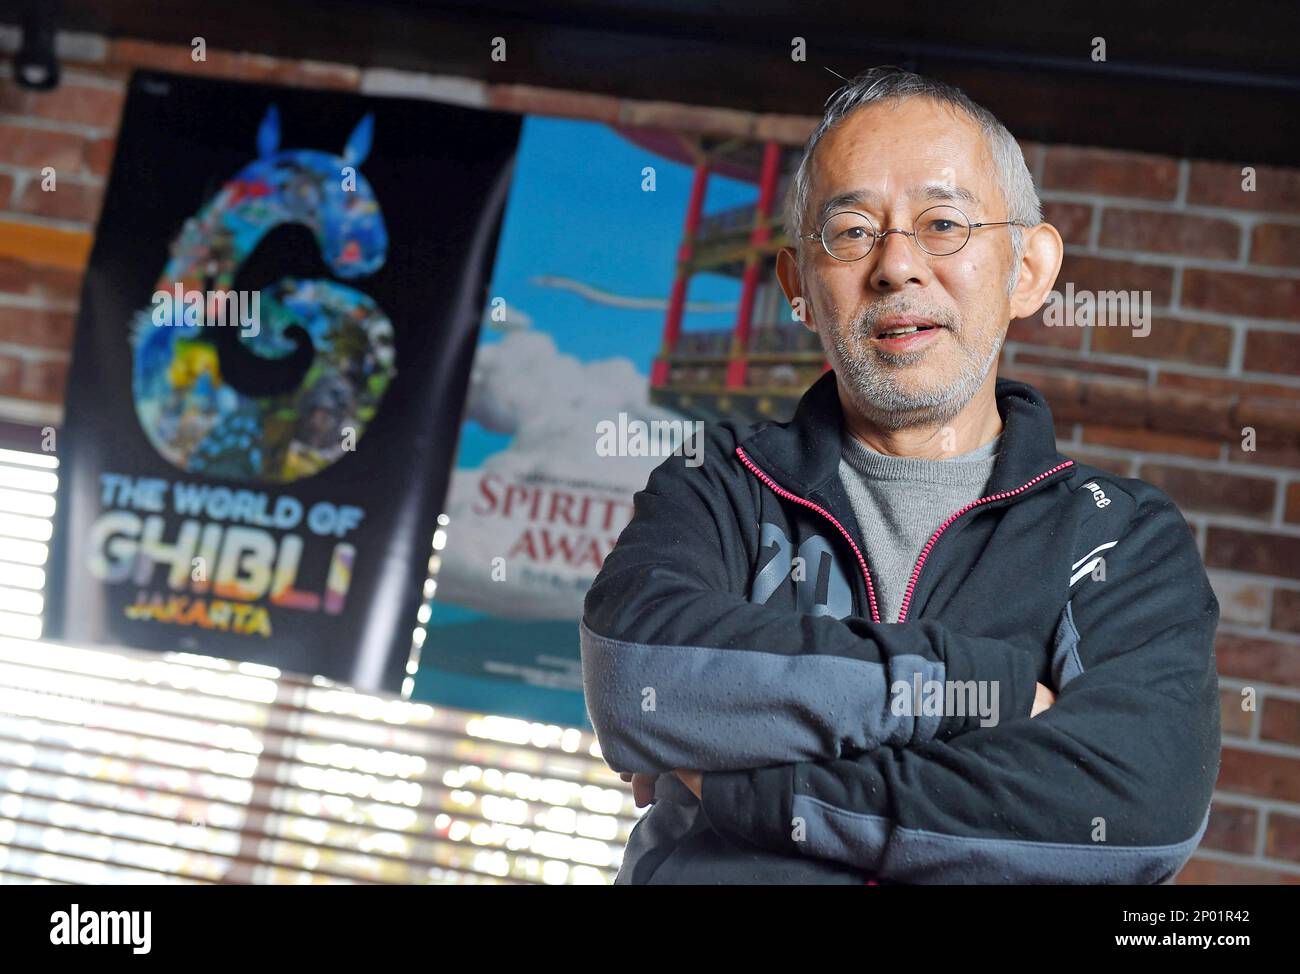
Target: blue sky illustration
577, 210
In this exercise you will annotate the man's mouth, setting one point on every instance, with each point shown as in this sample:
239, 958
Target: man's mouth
897, 326
895, 332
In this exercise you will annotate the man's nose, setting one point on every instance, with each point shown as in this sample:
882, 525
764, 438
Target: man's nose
898, 262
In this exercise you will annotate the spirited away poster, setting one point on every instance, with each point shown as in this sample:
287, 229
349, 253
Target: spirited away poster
269, 372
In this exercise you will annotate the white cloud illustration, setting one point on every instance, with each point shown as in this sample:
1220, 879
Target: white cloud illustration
549, 404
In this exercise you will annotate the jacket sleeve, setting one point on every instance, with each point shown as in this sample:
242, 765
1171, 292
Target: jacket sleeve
680, 670
1111, 784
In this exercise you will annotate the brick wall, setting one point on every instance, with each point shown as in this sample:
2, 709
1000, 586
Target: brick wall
1222, 356
1221, 265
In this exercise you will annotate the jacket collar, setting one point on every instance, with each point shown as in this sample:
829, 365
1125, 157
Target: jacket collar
803, 453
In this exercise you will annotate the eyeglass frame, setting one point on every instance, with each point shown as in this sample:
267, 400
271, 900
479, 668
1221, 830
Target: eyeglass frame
877, 235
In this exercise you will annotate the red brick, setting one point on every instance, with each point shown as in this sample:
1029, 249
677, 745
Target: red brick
1232, 719
1170, 339
1065, 413
119, 73
1170, 233
99, 155
1275, 245
1282, 836
1058, 388
1104, 274
1262, 775
1175, 411
67, 201
1111, 172
36, 328
1120, 466
1272, 351
1116, 403
1030, 357
1212, 492
1224, 386
51, 284
1232, 828
1243, 600
78, 105
528, 99
11, 370
1276, 422
1034, 331
147, 54
6, 190
1252, 295
243, 65
1073, 220
1266, 455
1205, 872
14, 100
218, 63
46, 380
1149, 441
1280, 721
1257, 659
1253, 551
1286, 610
1277, 190
34, 148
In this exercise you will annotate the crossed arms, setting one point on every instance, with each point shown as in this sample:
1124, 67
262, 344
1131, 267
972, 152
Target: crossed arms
790, 716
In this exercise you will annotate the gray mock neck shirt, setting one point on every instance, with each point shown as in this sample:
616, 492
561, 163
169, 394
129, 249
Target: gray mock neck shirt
900, 501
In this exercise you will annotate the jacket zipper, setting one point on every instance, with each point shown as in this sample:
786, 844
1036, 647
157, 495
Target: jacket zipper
871, 591
929, 545
925, 552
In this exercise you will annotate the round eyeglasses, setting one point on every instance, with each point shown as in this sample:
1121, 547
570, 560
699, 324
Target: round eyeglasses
938, 231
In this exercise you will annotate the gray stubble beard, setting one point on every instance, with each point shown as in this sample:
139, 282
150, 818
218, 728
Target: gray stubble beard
871, 384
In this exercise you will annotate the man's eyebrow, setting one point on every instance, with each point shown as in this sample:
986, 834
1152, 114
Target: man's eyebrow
846, 200
933, 192
946, 193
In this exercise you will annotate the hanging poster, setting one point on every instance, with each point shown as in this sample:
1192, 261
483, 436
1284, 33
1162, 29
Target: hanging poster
269, 371
565, 419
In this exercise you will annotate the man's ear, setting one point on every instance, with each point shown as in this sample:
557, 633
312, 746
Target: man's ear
1039, 265
787, 272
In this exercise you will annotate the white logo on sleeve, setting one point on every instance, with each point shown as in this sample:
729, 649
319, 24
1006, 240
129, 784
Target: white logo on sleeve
1092, 561
1098, 494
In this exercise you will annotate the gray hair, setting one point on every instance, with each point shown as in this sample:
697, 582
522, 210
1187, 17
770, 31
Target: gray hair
889, 82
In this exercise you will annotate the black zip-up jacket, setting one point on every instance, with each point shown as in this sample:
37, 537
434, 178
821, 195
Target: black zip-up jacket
734, 629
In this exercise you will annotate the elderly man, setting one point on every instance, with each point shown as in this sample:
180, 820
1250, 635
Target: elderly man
900, 638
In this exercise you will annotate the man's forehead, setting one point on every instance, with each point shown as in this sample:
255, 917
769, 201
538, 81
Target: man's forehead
935, 158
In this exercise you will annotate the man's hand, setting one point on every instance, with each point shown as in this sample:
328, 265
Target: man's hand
1043, 698
643, 787
694, 780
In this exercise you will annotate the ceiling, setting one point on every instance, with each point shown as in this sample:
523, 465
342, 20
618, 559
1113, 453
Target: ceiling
1213, 81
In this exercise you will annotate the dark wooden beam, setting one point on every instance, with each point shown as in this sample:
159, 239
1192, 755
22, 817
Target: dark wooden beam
1178, 79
